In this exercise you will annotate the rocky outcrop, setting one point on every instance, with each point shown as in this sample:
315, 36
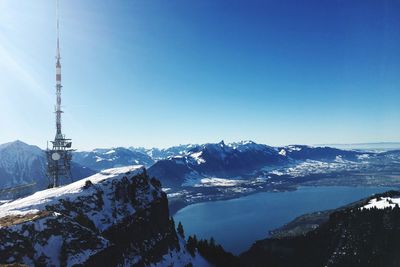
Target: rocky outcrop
358, 236
118, 217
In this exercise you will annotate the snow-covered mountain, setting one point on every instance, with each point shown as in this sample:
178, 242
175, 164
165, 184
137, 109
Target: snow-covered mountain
164, 153
240, 160
184, 164
224, 160
118, 217
22, 164
101, 159
216, 160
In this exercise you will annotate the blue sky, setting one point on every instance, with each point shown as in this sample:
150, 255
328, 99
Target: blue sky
160, 73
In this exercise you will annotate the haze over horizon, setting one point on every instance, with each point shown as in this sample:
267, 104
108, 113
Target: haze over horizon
383, 146
157, 74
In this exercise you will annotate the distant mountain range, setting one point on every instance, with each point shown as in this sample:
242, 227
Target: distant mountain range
183, 165
164, 153
239, 160
215, 160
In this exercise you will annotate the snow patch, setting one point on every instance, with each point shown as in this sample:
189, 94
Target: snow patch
292, 148
110, 152
382, 203
363, 156
197, 157
211, 182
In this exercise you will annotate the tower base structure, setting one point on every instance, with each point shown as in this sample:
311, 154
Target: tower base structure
59, 159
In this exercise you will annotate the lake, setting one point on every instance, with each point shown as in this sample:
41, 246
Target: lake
237, 223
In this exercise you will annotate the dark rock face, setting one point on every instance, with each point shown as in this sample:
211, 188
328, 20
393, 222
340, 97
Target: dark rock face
142, 226
351, 237
116, 217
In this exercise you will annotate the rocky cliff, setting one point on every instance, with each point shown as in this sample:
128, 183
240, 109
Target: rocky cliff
118, 217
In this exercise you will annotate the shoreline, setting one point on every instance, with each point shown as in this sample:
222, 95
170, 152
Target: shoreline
177, 204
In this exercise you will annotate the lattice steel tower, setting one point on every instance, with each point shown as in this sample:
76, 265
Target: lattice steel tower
60, 155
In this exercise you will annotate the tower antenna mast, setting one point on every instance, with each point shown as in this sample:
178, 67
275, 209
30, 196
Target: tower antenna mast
60, 155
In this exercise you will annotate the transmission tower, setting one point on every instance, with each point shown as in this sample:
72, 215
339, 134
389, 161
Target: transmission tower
59, 156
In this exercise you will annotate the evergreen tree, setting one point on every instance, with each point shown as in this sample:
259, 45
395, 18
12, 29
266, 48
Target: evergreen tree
191, 245
212, 242
180, 230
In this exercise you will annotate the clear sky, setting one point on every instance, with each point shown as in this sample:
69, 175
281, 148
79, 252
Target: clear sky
160, 73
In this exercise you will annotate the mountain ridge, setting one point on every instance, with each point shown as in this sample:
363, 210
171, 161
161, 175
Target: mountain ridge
240, 160
22, 164
116, 217
183, 165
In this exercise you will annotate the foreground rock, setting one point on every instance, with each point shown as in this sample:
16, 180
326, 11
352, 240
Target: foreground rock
365, 234
118, 217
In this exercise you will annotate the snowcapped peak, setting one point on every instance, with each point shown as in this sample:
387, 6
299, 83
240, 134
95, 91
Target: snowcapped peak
247, 145
240, 143
245, 142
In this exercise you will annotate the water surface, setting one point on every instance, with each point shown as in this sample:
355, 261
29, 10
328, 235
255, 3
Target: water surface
237, 223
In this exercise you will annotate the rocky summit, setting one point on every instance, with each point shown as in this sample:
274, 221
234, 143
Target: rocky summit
118, 217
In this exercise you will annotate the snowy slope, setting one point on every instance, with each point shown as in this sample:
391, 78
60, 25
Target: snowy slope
116, 217
383, 203
40, 200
